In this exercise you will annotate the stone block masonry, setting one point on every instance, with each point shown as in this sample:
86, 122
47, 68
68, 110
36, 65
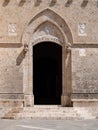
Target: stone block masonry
71, 24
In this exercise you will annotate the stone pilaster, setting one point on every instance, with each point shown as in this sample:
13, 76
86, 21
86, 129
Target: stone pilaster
66, 88
29, 100
28, 79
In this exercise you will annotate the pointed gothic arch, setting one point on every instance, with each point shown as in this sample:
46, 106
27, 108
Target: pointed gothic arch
35, 33
50, 16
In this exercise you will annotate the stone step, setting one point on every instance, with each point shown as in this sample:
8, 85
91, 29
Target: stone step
51, 112
3, 111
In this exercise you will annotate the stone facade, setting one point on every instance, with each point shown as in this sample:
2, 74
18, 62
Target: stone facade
72, 24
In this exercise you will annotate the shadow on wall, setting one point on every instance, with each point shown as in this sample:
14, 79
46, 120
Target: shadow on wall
53, 2
21, 3
37, 2
20, 57
5, 3
84, 3
68, 3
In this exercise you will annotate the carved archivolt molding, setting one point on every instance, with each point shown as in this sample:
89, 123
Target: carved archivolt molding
47, 19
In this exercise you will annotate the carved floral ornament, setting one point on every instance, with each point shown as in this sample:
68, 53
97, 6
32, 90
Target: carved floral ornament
52, 2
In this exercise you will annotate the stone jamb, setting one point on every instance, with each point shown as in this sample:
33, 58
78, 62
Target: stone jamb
66, 71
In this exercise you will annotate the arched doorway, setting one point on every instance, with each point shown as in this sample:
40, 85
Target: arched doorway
47, 73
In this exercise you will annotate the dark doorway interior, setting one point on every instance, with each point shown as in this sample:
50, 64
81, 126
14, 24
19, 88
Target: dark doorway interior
47, 73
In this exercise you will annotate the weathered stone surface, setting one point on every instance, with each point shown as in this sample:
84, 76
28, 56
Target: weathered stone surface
71, 24
85, 81
11, 74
